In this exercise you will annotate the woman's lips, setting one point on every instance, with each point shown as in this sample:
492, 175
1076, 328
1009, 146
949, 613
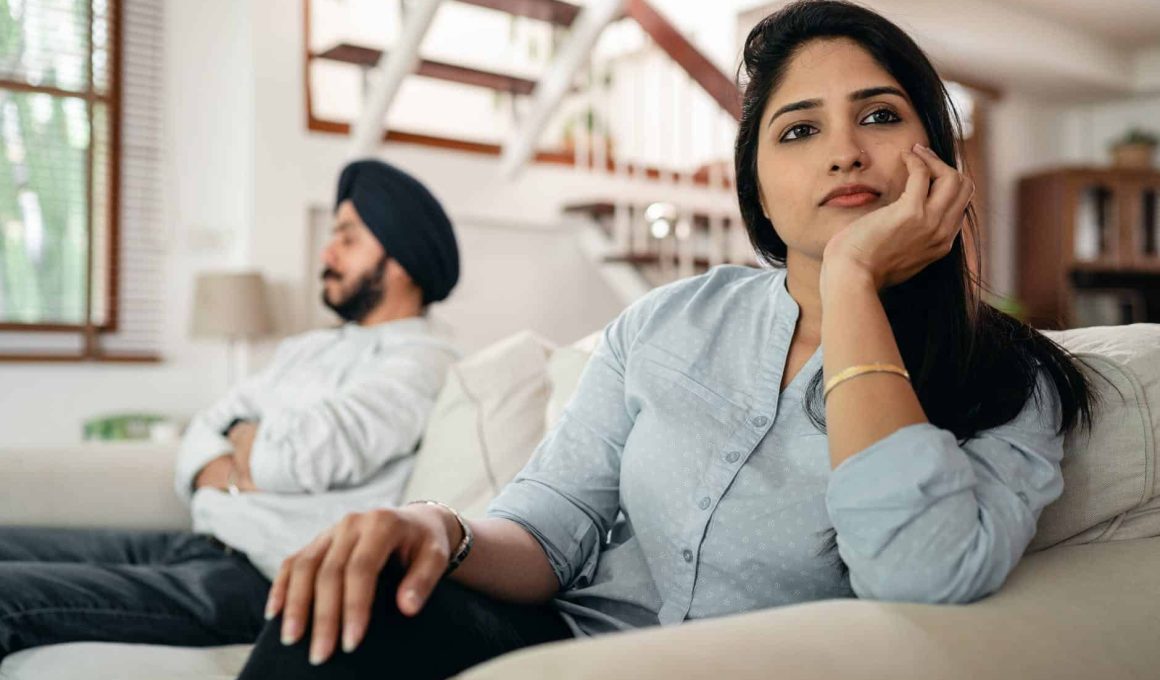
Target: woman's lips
852, 200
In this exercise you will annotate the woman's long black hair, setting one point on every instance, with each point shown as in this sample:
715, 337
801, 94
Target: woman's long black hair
972, 366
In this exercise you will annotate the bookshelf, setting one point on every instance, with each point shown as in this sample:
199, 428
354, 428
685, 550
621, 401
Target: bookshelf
1088, 247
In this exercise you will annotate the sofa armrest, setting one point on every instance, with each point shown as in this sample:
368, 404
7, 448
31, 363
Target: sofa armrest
123, 485
1090, 611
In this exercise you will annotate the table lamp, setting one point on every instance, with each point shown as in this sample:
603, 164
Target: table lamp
230, 305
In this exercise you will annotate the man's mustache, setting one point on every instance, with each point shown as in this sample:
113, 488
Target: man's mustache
330, 274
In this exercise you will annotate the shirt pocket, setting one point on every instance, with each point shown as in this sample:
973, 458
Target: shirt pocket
669, 387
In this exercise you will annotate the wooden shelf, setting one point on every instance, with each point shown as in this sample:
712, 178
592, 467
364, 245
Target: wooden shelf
1051, 206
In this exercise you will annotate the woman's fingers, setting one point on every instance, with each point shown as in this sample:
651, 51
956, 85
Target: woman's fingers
277, 594
953, 220
948, 184
427, 568
300, 590
917, 188
381, 534
328, 590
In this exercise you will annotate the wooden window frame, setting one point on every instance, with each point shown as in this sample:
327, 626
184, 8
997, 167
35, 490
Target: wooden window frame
112, 101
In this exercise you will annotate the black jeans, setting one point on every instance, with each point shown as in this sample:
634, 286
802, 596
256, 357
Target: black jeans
456, 629
170, 588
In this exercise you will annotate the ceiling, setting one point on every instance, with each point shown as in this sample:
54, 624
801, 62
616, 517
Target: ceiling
1127, 23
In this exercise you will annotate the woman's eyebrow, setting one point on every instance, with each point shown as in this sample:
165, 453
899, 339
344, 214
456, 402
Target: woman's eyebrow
856, 95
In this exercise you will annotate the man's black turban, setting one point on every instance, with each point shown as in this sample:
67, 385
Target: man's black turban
407, 220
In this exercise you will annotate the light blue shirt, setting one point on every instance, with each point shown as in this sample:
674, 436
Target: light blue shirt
723, 486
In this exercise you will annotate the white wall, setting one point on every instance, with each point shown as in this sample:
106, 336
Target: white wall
242, 173
207, 207
295, 170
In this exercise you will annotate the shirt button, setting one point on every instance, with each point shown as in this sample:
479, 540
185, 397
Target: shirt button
704, 503
733, 456
760, 421
687, 554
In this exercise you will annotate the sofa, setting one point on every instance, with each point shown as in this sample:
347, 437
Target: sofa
1083, 603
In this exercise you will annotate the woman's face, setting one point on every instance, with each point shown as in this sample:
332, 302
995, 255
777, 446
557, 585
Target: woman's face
838, 120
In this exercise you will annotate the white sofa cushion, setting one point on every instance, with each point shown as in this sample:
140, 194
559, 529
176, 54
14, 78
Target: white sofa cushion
1110, 489
109, 661
135, 489
488, 419
564, 369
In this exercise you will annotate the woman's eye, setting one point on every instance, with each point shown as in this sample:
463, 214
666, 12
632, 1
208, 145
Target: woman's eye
882, 116
799, 131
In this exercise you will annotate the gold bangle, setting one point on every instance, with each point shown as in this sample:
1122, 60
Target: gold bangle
862, 369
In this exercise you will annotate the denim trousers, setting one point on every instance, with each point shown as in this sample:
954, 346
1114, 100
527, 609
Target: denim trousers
154, 587
456, 629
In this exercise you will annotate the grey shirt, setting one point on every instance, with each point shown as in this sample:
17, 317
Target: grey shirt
682, 483
340, 412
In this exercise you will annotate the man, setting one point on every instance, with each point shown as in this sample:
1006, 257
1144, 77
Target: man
328, 428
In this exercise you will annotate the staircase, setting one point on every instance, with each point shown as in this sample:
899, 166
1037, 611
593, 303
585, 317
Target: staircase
646, 109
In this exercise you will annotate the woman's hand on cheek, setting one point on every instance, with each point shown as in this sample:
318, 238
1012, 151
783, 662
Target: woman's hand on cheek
895, 242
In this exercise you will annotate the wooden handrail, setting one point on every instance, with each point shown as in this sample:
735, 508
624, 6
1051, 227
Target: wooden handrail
717, 84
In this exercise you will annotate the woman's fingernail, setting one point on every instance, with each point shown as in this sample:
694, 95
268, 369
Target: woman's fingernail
290, 632
270, 613
316, 656
411, 599
349, 640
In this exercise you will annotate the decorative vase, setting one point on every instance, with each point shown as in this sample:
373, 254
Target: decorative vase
1136, 156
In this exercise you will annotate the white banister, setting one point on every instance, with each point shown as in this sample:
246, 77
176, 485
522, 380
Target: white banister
393, 67
554, 85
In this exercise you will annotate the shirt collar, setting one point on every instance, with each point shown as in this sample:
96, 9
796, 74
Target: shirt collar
412, 325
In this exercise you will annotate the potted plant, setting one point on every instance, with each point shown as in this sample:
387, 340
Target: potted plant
1135, 149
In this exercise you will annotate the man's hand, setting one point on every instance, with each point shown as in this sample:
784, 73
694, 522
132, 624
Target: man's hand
242, 437
216, 473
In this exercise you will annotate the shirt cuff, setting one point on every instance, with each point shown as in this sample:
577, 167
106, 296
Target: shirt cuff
200, 446
568, 536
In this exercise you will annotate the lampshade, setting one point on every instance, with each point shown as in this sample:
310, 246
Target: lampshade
230, 305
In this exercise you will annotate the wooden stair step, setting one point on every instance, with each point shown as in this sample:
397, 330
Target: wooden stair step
552, 11
369, 57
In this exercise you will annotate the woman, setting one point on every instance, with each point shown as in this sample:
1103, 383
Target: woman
909, 461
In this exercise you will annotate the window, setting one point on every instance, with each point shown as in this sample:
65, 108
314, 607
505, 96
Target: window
80, 155
57, 121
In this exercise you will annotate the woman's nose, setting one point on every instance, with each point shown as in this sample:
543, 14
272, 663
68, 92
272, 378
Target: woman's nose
847, 155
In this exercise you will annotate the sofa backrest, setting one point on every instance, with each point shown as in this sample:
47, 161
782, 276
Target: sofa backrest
498, 404
487, 420
1111, 490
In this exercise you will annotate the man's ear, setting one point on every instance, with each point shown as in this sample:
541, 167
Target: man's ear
397, 275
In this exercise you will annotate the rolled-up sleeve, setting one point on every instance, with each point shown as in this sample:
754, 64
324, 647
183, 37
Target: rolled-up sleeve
568, 495
920, 518
344, 439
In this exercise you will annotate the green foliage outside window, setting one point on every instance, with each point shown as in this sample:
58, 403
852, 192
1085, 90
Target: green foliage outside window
53, 88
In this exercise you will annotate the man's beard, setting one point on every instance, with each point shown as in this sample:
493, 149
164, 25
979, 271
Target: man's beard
366, 296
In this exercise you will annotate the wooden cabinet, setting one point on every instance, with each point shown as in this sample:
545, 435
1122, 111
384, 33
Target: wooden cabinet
1089, 239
